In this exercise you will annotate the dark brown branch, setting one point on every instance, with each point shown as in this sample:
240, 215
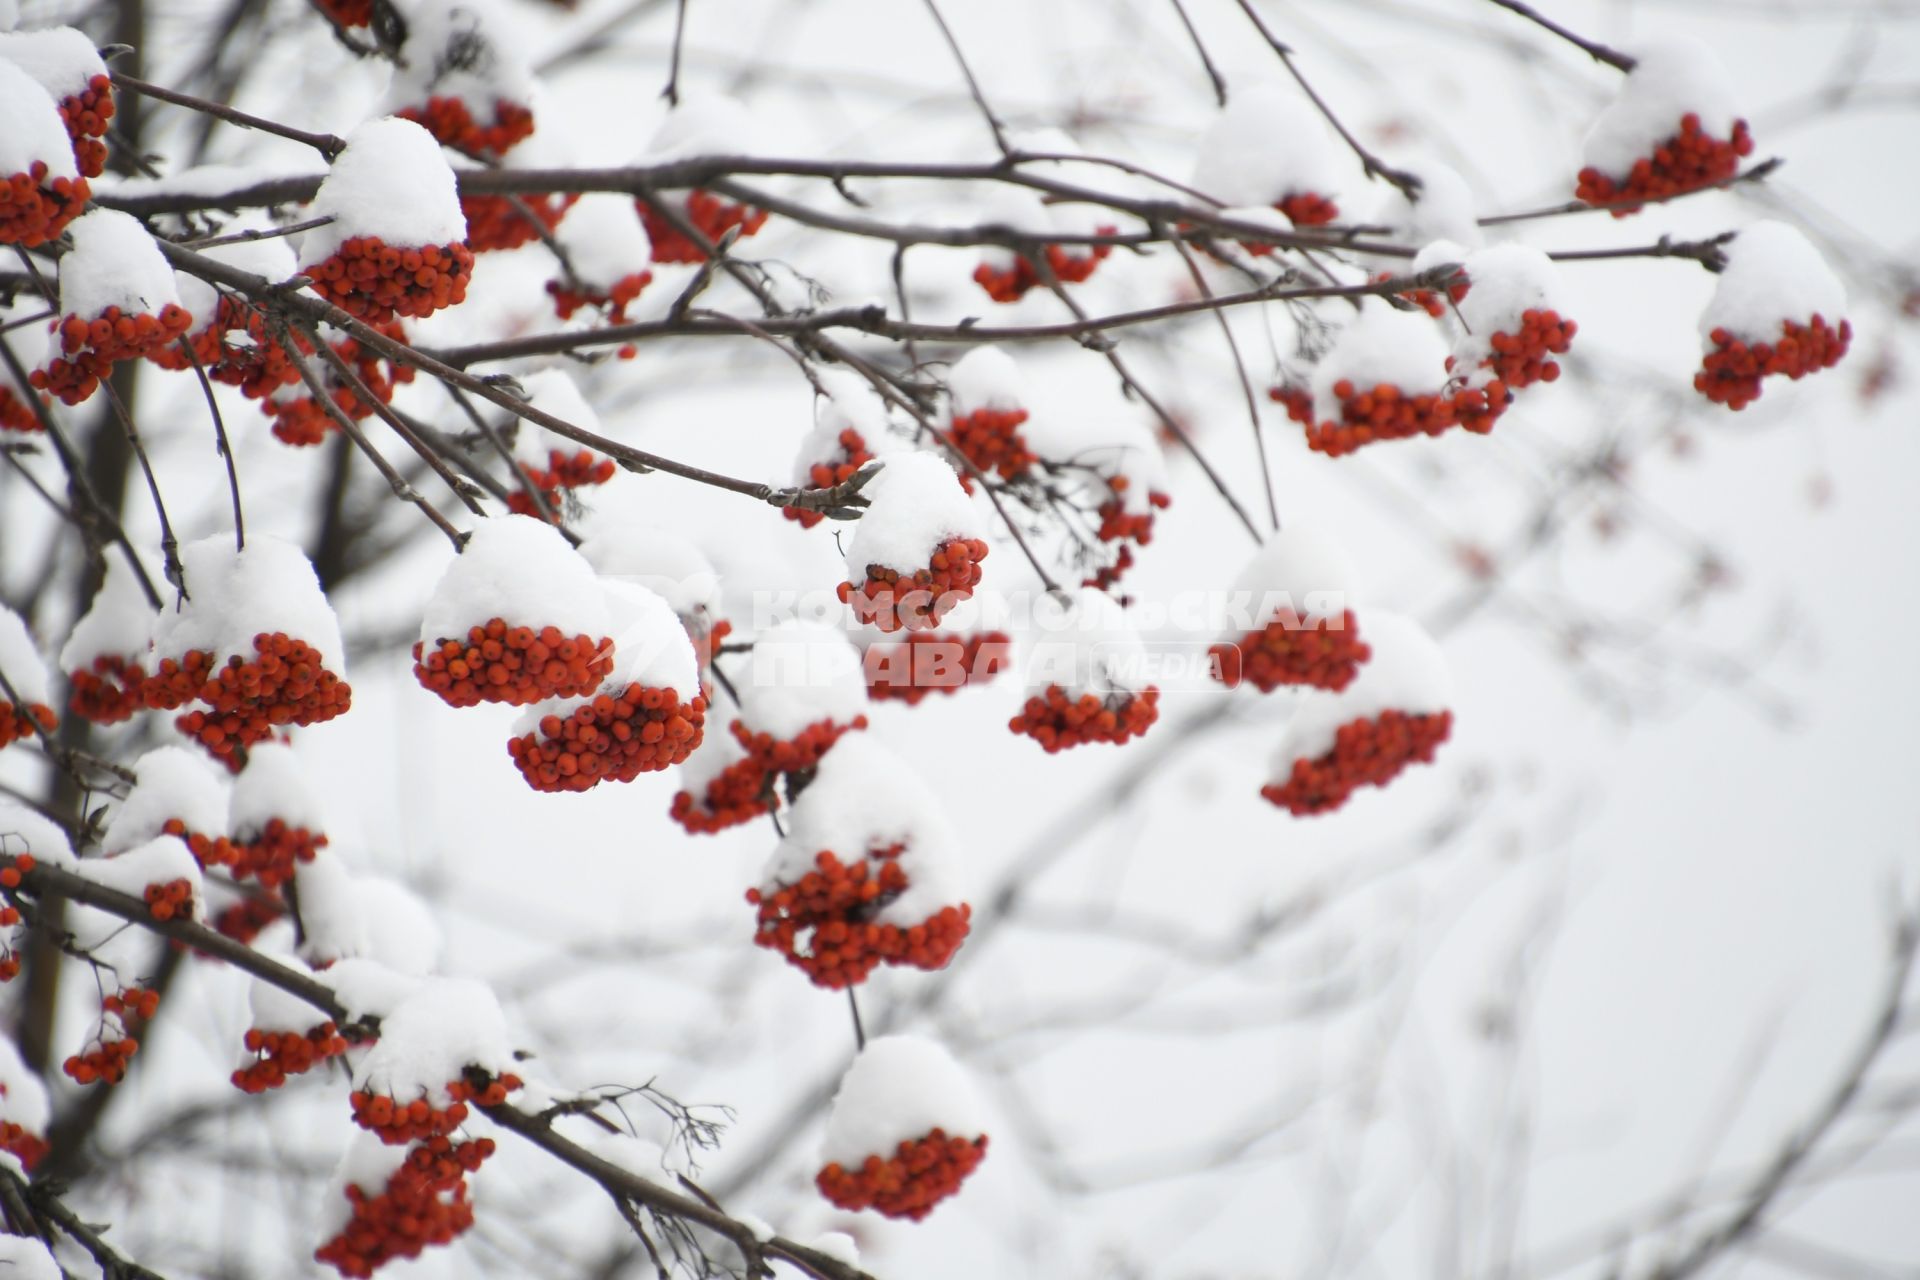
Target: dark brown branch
325, 143
1592, 48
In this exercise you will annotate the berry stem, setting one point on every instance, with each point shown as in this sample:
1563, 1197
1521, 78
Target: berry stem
859, 1031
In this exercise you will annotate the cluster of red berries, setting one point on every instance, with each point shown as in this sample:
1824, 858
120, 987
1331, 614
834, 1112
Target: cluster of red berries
11, 876
854, 455
90, 348
18, 723
1522, 359
1731, 373
28, 1148
1321, 653
570, 297
798, 753
990, 439
286, 1053
1057, 722
107, 1060
244, 920
1685, 162
507, 222
85, 114
1384, 412
739, 793
271, 856
891, 600
107, 690
1069, 267
375, 281
452, 124
824, 924
920, 1174
514, 665
286, 683
1366, 752
610, 739
423, 1204
1119, 527
170, 900
578, 470
923, 662
302, 420
17, 413
710, 215
33, 210
396, 1122
208, 851
1308, 209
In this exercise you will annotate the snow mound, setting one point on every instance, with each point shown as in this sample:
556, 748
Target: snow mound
20, 661
172, 782
1087, 645
1268, 143
429, 1039
1508, 280
23, 1098
1444, 209
605, 240
274, 785
706, 125
552, 391
985, 378
899, 1089
270, 259
462, 50
521, 571
1773, 274
1669, 80
391, 182
269, 587
916, 504
1407, 673
34, 133
25, 1258
114, 263
160, 861
119, 623
61, 59
863, 799
24, 831
1402, 348
651, 649
798, 674
1298, 569
275, 1010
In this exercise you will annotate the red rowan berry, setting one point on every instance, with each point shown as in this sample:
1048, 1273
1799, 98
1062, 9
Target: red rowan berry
909, 1183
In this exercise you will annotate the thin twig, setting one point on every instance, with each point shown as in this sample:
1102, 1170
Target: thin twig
222, 443
1206, 59
973, 85
325, 143
1593, 48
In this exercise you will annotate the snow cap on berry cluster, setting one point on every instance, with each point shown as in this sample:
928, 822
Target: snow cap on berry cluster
119, 623
464, 50
799, 674
391, 182
368, 1164
1298, 568
553, 392
625, 549
23, 1098
847, 404
1089, 646
114, 263
268, 587
24, 831
650, 649
275, 784
430, 1038
705, 124
1442, 210
24, 1258
159, 861
1438, 253
899, 1089
604, 239
1381, 345
1670, 80
863, 799
274, 1009
1508, 280
351, 919
1407, 673
20, 661
34, 132
61, 59
170, 783
1266, 144
1773, 274
985, 378
270, 259
915, 506
521, 571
